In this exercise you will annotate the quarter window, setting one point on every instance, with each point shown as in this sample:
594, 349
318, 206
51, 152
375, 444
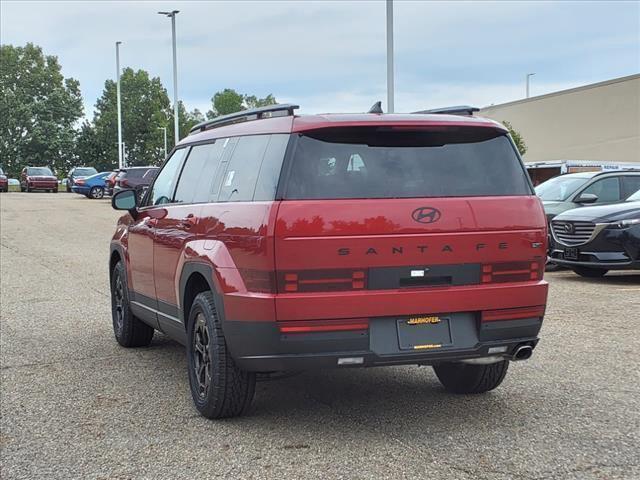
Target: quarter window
162, 189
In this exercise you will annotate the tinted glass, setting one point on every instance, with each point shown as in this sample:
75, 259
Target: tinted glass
84, 172
386, 163
39, 171
635, 197
631, 184
239, 180
271, 167
162, 190
607, 190
198, 173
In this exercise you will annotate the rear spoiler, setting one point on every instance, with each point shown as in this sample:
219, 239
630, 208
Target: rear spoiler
458, 110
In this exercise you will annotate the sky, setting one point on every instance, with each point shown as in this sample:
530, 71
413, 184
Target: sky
330, 56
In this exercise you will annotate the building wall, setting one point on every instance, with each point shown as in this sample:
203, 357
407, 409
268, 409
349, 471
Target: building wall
595, 122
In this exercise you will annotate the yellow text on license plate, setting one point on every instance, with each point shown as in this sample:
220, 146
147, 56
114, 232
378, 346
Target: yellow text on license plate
423, 320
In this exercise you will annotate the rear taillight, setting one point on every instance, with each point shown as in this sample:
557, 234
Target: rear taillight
513, 313
123, 182
79, 182
512, 271
258, 280
310, 326
329, 280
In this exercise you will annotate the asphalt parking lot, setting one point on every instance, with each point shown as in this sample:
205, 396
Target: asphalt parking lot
76, 405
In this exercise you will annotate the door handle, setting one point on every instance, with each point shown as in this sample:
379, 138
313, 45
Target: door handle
188, 221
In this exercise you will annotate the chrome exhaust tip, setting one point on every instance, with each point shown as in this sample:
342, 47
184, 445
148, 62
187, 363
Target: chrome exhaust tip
523, 352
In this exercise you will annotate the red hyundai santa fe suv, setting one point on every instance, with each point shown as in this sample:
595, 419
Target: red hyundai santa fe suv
271, 241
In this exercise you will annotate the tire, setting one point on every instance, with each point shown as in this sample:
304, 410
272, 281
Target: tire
96, 193
27, 189
55, 190
220, 389
68, 188
22, 189
590, 272
467, 378
128, 330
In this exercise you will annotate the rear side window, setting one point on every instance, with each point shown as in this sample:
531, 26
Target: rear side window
388, 163
239, 181
630, 183
199, 173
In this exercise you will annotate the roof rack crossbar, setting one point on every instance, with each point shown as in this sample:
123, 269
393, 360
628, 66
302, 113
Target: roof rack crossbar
244, 116
457, 110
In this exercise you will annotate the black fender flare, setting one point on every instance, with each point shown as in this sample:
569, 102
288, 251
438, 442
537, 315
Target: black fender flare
206, 270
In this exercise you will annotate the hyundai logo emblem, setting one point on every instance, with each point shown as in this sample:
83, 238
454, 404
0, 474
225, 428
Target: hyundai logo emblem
426, 215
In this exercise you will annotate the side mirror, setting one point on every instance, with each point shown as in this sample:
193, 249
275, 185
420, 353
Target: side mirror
587, 198
125, 200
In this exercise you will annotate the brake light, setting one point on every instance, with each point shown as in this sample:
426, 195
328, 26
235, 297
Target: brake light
123, 182
329, 280
513, 313
79, 182
512, 271
310, 326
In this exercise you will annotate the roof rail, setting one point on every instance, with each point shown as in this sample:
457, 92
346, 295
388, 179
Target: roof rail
457, 110
245, 116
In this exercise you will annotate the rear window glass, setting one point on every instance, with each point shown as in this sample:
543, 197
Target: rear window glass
395, 163
79, 172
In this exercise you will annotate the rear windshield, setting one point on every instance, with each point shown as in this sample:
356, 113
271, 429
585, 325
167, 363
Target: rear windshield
384, 162
84, 172
136, 172
39, 171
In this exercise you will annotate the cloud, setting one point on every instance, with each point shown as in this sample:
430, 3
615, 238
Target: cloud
330, 56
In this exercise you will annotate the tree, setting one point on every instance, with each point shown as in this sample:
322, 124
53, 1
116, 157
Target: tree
517, 138
145, 109
38, 110
186, 121
229, 101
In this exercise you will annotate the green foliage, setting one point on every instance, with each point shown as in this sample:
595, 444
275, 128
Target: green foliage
517, 138
229, 101
145, 108
38, 110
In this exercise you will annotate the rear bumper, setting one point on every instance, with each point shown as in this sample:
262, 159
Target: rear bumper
80, 190
260, 346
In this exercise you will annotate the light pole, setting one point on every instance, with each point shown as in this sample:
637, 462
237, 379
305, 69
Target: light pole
529, 75
164, 129
120, 159
172, 15
390, 86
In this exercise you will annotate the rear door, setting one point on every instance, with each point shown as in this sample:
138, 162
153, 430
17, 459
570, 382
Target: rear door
378, 209
179, 225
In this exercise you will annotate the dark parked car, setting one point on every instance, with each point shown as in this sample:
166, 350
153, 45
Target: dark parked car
110, 183
333, 241
4, 181
574, 190
132, 178
38, 178
593, 240
77, 173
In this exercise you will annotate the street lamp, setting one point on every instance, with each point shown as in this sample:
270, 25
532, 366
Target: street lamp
120, 165
390, 86
164, 129
172, 15
529, 75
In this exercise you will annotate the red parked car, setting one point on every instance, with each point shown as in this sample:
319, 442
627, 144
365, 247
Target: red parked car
270, 242
4, 181
38, 178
